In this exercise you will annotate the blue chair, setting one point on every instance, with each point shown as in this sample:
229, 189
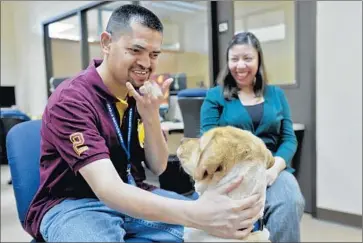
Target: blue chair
192, 93
23, 151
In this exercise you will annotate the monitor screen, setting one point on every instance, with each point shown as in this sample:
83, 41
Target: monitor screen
7, 96
179, 83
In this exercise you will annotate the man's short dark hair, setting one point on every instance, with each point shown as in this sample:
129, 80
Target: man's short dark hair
122, 17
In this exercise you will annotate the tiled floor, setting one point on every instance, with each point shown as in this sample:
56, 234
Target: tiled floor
312, 230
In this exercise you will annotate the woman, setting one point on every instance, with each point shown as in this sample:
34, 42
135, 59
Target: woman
244, 100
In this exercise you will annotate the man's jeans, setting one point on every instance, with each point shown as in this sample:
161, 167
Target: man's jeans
90, 220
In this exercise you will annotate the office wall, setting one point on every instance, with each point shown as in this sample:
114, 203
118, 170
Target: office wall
67, 61
279, 55
24, 46
339, 106
8, 59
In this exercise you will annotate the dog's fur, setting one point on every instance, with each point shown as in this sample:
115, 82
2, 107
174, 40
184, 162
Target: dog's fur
218, 157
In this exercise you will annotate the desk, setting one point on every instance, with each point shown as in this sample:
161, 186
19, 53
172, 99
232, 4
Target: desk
172, 127
178, 127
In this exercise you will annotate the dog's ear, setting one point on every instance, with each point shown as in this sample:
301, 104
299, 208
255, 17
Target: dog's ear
206, 139
270, 160
215, 152
211, 155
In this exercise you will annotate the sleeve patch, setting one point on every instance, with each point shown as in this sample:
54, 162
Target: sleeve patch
77, 140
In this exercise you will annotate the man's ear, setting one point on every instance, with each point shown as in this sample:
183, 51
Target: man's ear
106, 40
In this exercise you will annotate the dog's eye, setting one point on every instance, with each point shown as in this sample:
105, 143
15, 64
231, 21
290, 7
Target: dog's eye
219, 169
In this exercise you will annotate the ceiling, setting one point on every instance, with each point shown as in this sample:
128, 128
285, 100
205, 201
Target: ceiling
177, 12
174, 15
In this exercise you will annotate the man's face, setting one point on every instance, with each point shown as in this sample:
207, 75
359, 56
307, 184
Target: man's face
133, 56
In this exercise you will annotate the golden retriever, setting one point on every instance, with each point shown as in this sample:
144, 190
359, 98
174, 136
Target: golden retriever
217, 158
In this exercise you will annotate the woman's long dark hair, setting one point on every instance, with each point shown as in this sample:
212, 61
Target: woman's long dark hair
225, 78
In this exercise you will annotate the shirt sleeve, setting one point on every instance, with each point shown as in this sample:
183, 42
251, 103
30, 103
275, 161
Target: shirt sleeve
210, 111
288, 141
72, 129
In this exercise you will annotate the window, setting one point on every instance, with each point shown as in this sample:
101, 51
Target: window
273, 23
184, 50
97, 20
66, 47
185, 45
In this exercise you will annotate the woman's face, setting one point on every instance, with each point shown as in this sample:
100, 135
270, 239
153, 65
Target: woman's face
243, 64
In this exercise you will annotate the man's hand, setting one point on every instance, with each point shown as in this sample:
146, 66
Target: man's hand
221, 216
148, 102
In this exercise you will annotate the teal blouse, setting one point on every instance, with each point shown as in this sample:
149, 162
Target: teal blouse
275, 128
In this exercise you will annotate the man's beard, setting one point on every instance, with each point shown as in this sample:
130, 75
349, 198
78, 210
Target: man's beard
136, 84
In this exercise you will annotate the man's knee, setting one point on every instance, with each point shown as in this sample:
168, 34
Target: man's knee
71, 232
153, 231
82, 221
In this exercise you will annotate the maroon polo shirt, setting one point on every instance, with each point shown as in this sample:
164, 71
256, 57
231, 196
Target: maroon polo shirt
77, 130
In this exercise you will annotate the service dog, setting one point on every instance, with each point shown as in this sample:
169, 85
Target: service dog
217, 158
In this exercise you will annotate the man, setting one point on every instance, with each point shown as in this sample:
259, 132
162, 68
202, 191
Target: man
97, 132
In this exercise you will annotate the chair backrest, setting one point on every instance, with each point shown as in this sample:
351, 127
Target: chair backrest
190, 102
55, 82
3, 158
179, 82
7, 124
23, 152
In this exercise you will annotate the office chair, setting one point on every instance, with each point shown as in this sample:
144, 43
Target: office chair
55, 82
23, 152
6, 124
179, 83
174, 178
3, 158
9, 118
190, 102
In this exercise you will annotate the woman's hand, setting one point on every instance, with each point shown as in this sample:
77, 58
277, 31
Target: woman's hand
221, 216
271, 175
275, 170
150, 98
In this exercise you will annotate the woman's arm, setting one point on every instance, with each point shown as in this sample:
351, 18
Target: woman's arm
209, 112
288, 141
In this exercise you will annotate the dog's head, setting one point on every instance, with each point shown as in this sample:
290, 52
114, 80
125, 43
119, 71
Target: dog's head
212, 156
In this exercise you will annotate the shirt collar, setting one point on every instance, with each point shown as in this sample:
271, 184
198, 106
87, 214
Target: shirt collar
96, 82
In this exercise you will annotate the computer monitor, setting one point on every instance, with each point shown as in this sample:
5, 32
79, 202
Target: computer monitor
7, 96
55, 82
179, 83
